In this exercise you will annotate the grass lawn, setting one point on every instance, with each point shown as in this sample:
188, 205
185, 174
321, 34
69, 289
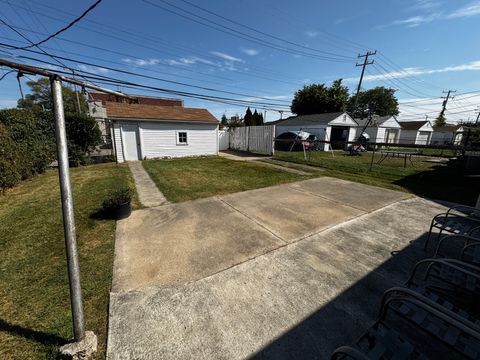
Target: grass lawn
427, 179
35, 314
192, 178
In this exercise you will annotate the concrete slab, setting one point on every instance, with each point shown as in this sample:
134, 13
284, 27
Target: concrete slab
183, 242
147, 191
359, 196
289, 213
300, 301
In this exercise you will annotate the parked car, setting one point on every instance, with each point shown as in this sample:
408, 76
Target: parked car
292, 141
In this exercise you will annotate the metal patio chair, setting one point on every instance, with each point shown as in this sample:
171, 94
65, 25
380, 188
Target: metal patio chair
469, 251
388, 339
459, 220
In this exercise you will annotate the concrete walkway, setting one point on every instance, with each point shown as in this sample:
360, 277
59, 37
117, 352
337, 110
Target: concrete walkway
147, 191
290, 271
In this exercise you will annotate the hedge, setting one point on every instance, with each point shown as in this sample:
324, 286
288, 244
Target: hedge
26, 145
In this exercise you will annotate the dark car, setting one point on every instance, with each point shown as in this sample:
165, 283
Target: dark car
292, 141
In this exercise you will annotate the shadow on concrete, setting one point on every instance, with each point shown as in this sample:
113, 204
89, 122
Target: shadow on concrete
345, 318
445, 183
34, 335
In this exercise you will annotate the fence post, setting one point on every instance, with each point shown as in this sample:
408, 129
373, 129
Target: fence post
371, 162
273, 140
247, 131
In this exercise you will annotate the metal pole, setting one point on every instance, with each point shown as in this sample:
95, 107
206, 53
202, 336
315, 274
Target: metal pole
67, 209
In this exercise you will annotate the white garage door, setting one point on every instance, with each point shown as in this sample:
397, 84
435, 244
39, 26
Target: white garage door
423, 138
130, 142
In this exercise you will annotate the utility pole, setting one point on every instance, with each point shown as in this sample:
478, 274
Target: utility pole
445, 101
76, 94
478, 118
363, 65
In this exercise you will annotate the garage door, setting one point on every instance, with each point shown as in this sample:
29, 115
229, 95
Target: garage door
423, 138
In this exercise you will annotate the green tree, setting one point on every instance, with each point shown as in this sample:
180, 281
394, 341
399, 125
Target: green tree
83, 134
224, 121
440, 120
248, 118
318, 98
40, 98
379, 100
260, 120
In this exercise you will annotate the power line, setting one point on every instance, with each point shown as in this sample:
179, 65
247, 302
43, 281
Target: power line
364, 65
93, 6
239, 34
148, 76
259, 31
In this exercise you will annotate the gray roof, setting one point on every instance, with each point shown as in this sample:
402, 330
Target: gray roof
376, 121
447, 128
313, 119
412, 125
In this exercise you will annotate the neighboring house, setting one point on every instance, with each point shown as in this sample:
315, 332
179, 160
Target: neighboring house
416, 132
448, 134
96, 108
381, 129
144, 131
335, 127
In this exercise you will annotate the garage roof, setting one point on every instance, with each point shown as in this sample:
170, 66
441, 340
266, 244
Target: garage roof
313, 119
126, 111
412, 125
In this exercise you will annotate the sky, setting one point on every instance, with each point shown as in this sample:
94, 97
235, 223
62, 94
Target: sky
257, 52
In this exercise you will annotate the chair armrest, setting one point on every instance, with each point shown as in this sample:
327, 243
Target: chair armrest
447, 238
464, 209
454, 264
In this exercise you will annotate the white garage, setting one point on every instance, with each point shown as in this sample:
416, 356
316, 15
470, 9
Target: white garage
381, 129
148, 131
416, 132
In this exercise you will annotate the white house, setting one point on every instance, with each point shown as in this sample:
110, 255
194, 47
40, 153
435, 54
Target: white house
381, 129
334, 127
416, 132
448, 134
144, 131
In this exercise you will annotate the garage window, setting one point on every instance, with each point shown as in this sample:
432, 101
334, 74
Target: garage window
182, 138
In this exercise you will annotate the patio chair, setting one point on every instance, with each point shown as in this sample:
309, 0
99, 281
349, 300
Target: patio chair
454, 281
459, 220
387, 339
469, 251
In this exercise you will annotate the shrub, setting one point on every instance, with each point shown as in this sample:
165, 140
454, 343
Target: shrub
117, 197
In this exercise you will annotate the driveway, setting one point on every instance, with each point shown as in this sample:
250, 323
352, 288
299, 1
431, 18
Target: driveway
289, 271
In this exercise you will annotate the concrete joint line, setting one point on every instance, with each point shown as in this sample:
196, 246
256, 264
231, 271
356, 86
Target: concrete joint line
255, 221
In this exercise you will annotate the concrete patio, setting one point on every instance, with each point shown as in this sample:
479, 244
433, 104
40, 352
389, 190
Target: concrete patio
290, 271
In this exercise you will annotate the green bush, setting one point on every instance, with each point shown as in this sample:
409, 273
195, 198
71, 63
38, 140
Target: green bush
26, 145
117, 197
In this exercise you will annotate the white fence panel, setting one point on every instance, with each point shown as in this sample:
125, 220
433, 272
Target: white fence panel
253, 138
223, 139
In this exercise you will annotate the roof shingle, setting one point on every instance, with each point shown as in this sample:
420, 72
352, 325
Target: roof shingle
157, 113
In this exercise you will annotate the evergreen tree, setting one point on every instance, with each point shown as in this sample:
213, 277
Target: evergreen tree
224, 121
255, 121
260, 120
248, 118
440, 121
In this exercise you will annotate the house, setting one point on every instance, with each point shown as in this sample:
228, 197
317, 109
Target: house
96, 109
335, 127
416, 132
381, 129
448, 134
145, 131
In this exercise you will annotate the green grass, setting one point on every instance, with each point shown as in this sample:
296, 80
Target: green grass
35, 314
193, 178
427, 179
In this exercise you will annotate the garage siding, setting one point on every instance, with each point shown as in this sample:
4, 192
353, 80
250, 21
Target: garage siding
160, 140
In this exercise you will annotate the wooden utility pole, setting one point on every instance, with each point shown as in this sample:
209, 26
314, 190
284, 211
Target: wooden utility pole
478, 118
445, 101
363, 65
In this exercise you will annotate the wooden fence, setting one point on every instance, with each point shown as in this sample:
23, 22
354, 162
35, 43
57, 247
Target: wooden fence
253, 139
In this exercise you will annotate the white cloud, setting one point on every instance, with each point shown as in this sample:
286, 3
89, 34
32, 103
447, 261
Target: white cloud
312, 33
471, 9
414, 71
141, 62
431, 13
93, 69
250, 52
226, 57
187, 61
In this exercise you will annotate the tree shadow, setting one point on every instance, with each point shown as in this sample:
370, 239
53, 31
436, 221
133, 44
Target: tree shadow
34, 335
343, 319
444, 183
